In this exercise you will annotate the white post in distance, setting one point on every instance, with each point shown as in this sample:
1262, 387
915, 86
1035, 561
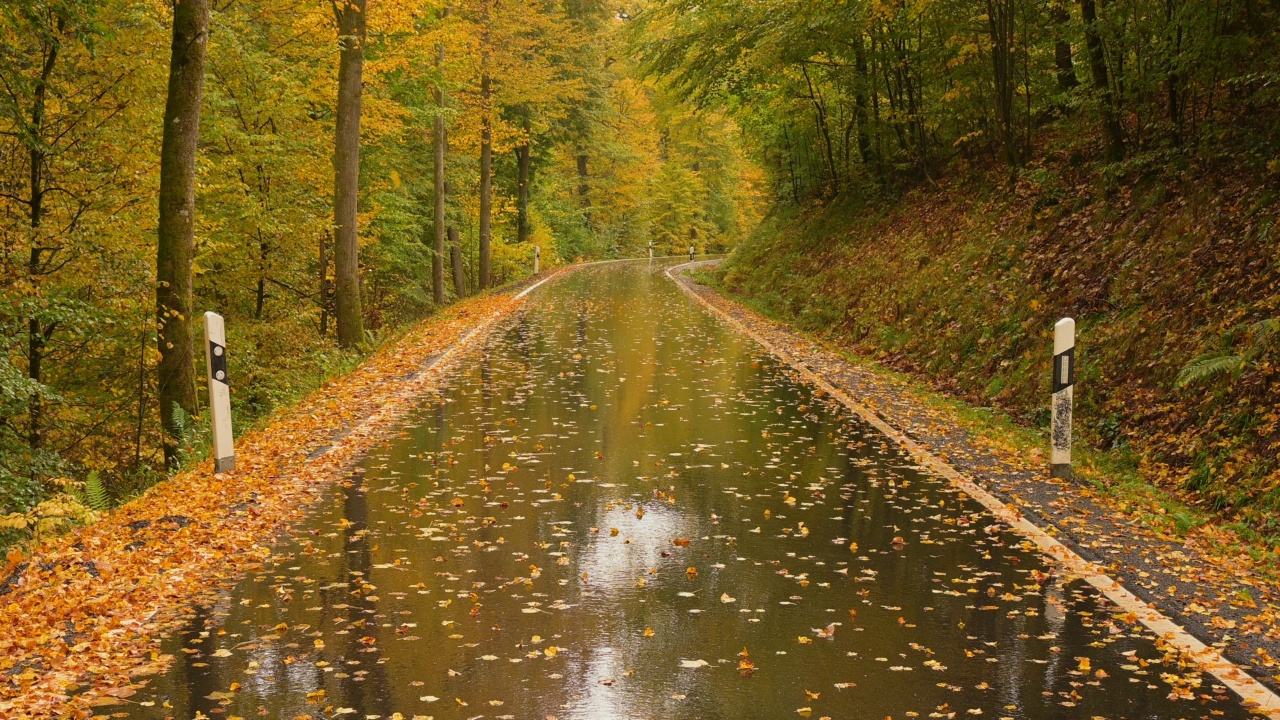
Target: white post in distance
215, 357
537, 258
650, 249
1064, 380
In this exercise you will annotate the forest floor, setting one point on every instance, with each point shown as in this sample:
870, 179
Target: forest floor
1203, 580
83, 616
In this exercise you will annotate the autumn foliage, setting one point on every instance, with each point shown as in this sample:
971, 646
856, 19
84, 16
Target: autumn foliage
81, 618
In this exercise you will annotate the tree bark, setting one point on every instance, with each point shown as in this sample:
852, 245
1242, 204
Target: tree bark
437, 256
175, 247
1001, 25
1111, 127
1062, 57
346, 163
524, 167
865, 150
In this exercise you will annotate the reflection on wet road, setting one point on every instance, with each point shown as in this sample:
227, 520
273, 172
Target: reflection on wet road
622, 509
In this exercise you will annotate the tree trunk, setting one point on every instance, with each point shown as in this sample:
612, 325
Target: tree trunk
1001, 26
37, 335
824, 130
325, 290
865, 150
524, 165
1173, 81
1062, 47
260, 299
346, 163
437, 256
1111, 126
486, 158
175, 248
459, 272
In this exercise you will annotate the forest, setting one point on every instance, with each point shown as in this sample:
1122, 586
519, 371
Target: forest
325, 173
320, 173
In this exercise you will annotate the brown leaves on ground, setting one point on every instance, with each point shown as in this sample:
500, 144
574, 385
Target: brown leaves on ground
95, 603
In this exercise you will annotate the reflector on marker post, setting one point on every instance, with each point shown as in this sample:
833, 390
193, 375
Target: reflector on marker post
215, 356
1064, 380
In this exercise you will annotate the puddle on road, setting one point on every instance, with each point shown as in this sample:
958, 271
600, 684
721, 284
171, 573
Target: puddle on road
622, 509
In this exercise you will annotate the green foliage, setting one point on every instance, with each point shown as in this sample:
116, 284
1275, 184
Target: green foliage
864, 98
1206, 367
1258, 337
95, 493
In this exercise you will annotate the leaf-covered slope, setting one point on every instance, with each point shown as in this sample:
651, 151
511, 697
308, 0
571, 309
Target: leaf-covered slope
962, 285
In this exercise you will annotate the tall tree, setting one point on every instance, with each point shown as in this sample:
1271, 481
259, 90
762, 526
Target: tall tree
524, 172
1111, 127
1062, 56
440, 139
486, 149
1002, 28
352, 24
175, 249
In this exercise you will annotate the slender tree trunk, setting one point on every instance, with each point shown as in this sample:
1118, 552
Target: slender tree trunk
524, 167
486, 156
346, 163
1173, 81
142, 389
1001, 26
865, 150
459, 272
37, 335
175, 249
584, 187
828, 151
1062, 57
1111, 126
325, 290
260, 299
437, 256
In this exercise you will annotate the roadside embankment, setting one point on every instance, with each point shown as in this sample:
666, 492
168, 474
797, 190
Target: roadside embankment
1173, 279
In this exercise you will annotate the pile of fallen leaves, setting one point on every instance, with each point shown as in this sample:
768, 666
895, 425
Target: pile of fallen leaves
82, 619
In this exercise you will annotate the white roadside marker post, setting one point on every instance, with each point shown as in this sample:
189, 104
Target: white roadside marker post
1064, 380
537, 259
690, 253
651, 250
215, 356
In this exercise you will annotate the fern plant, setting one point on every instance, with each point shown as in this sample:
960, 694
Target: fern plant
192, 435
1210, 365
95, 493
